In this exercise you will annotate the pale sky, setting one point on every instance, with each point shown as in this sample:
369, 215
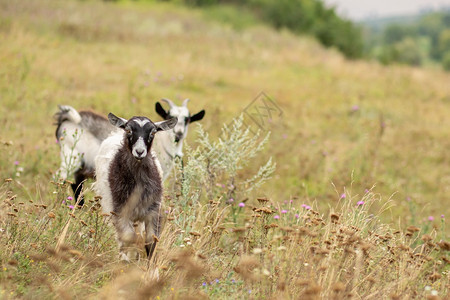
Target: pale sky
361, 9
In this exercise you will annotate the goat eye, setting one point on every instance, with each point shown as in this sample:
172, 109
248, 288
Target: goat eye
128, 131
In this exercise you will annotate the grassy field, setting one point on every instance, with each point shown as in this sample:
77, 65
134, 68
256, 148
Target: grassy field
350, 132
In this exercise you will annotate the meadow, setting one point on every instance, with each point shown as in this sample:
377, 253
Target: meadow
343, 194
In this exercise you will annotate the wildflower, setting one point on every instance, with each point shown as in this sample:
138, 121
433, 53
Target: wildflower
204, 284
231, 200
297, 216
308, 207
70, 198
242, 204
442, 216
233, 281
408, 198
284, 211
366, 191
290, 201
217, 280
430, 218
71, 206
249, 291
343, 196
359, 203
428, 288
434, 292
284, 136
16, 162
355, 108
276, 217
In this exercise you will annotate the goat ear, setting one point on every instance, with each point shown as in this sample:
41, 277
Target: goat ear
166, 125
116, 121
198, 116
160, 110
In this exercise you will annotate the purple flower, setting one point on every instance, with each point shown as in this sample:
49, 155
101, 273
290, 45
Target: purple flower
276, 217
16, 162
290, 201
343, 196
430, 218
297, 216
366, 191
408, 198
71, 206
304, 205
70, 198
204, 283
284, 211
217, 280
231, 200
284, 136
442, 216
308, 207
242, 204
355, 108
359, 203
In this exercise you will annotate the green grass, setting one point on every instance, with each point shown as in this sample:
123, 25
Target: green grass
346, 125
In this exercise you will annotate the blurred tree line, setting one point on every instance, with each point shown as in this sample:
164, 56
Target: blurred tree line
304, 17
423, 41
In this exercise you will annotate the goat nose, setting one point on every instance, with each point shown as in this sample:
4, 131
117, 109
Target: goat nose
139, 152
178, 137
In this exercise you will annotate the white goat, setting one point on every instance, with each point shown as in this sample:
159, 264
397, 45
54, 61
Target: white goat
79, 135
129, 180
169, 144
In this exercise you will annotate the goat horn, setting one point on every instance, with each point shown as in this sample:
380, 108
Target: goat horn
185, 102
171, 104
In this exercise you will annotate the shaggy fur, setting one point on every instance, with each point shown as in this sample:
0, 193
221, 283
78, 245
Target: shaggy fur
129, 181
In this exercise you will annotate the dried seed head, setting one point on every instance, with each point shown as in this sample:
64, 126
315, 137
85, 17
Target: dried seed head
262, 200
272, 225
51, 215
334, 218
412, 229
426, 238
444, 245
265, 210
338, 287
435, 276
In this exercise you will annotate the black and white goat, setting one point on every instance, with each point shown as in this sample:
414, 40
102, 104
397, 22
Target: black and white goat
169, 144
79, 135
129, 181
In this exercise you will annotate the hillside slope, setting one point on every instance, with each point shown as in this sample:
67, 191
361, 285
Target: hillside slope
345, 125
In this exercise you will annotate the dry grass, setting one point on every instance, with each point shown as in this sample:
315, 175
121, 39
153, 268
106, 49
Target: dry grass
345, 127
